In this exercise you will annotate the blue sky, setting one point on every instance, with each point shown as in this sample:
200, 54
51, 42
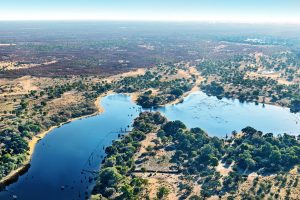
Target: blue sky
260, 11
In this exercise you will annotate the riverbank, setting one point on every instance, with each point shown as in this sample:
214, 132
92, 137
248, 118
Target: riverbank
32, 143
118, 108
158, 164
180, 100
100, 109
13, 175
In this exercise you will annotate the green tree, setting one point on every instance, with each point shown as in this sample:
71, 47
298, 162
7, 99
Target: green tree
109, 177
162, 192
171, 128
275, 156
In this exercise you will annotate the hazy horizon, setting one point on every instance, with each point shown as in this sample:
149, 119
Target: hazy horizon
191, 22
204, 11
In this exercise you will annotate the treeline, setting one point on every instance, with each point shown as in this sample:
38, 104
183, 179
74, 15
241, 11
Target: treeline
230, 81
196, 156
264, 153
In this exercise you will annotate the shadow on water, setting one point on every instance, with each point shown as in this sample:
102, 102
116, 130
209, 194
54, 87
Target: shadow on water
15, 177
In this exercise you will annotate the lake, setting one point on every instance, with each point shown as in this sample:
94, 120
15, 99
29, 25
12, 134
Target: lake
221, 117
64, 162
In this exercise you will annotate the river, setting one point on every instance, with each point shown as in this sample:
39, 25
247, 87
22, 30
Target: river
64, 161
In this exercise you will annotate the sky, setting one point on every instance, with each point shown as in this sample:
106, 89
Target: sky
244, 11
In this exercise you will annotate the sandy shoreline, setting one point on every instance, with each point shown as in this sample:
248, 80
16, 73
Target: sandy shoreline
179, 100
33, 142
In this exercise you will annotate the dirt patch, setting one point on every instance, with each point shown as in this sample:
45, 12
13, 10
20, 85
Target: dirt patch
223, 169
155, 181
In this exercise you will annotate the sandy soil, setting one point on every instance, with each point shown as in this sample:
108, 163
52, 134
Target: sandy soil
134, 96
199, 79
183, 74
274, 76
15, 65
155, 181
147, 142
140, 71
18, 86
223, 170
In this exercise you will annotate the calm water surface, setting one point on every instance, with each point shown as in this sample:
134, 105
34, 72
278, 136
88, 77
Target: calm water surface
221, 117
64, 160
60, 157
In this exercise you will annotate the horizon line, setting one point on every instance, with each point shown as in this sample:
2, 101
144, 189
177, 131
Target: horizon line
158, 20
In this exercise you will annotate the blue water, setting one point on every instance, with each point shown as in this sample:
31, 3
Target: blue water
61, 156
221, 117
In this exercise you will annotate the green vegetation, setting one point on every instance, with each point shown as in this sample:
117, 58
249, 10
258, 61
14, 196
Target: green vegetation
31, 117
231, 79
162, 192
295, 105
264, 153
113, 181
196, 156
168, 91
12, 154
195, 153
34, 114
